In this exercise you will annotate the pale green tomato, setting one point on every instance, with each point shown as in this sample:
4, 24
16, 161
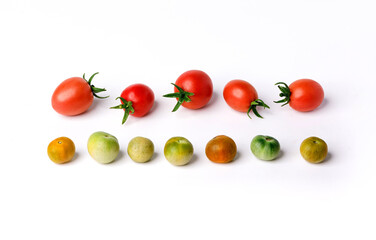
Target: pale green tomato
178, 151
265, 147
103, 147
140, 149
314, 150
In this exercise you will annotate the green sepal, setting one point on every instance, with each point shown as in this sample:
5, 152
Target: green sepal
182, 96
254, 104
94, 89
127, 106
285, 93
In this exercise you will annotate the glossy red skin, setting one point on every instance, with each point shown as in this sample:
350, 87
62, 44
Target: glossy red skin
239, 95
306, 95
141, 96
199, 83
72, 97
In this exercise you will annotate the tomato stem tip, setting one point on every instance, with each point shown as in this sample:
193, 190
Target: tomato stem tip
285, 93
94, 89
182, 97
254, 104
127, 106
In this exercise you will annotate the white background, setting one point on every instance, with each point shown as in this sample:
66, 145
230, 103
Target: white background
153, 42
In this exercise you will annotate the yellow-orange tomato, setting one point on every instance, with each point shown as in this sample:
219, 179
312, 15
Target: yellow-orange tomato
221, 149
61, 150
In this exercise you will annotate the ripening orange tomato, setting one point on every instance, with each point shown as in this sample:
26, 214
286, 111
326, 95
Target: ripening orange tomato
221, 149
61, 150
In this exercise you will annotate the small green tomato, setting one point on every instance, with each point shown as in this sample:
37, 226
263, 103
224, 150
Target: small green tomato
178, 151
103, 147
265, 147
140, 149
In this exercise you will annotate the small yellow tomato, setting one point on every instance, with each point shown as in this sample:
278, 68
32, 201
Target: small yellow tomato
140, 149
61, 150
314, 150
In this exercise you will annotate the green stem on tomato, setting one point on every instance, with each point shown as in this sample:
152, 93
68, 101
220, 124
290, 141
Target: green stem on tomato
94, 89
254, 104
182, 96
285, 93
127, 106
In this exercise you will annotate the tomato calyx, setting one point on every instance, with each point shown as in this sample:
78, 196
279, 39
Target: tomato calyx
285, 93
182, 96
94, 89
127, 106
254, 104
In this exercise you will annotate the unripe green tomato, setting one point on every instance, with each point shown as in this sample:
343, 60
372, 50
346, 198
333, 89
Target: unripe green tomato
178, 151
314, 150
140, 149
103, 147
265, 147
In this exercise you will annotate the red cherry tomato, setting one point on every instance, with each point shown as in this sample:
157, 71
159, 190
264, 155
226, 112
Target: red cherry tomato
241, 96
193, 90
136, 99
302, 95
74, 95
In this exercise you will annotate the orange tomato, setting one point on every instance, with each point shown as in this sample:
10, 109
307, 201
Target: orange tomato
221, 149
61, 150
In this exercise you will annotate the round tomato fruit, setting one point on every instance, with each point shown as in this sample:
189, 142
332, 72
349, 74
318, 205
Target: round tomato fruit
103, 147
75, 95
61, 150
314, 150
136, 99
221, 149
241, 96
193, 89
140, 149
265, 147
303, 95
178, 151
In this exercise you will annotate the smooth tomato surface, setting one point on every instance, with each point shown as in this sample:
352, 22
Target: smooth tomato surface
178, 151
306, 95
141, 96
140, 149
221, 149
72, 97
265, 147
198, 83
239, 95
314, 149
61, 150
